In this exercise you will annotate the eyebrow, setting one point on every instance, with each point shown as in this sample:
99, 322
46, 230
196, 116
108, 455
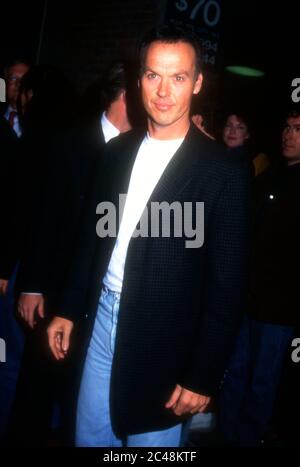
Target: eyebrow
180, 72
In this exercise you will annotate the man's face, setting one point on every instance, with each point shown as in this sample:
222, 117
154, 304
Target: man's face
168, 83
291, 140
14, 76
235, 132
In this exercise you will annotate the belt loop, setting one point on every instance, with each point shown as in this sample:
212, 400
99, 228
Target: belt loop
116, 295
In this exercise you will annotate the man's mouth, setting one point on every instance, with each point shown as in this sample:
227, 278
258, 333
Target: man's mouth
287, 146
163, 106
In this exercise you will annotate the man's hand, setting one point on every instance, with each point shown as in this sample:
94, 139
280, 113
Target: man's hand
29, 305
183, 401
3, 286
59, 332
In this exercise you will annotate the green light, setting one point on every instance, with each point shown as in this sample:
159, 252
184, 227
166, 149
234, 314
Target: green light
245, 71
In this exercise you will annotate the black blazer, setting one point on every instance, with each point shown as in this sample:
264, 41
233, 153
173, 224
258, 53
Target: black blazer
274, 285
46, 261
180, 307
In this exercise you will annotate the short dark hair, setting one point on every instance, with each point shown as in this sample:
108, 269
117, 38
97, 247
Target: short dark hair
171, 34
114, 81
294, 112
14, 62
241, 115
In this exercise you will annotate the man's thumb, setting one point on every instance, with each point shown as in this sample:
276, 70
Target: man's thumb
174, 397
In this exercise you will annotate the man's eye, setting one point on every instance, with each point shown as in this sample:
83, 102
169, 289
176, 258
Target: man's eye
151, 75
179, 78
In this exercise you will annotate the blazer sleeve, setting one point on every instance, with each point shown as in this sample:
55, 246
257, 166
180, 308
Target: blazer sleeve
226, 283
72, 303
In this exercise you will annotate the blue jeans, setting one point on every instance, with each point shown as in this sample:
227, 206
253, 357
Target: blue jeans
250, 383
93, 425
12, 333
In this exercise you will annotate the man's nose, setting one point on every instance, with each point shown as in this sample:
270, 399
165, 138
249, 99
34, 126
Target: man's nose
163, 88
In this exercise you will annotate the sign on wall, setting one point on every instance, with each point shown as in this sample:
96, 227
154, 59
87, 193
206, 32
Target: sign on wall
204, 18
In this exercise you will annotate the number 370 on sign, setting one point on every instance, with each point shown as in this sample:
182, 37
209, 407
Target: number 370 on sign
209, 9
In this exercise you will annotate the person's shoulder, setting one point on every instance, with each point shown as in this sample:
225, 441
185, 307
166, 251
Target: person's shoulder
126, 139
211, 158
202, 144
209, 150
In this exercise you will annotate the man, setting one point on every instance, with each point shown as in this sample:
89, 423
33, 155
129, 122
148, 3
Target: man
251, 382
10, 132
10, 161
73, 162
46, 261
13, 74
166, 315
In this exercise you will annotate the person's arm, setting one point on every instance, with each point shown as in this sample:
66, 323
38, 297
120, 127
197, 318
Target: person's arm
227, 243
71, 304
31, 305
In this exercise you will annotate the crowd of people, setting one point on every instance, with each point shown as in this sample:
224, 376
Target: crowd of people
120, 340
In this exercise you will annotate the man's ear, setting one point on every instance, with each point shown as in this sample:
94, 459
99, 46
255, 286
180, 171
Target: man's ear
123, 95
198, 83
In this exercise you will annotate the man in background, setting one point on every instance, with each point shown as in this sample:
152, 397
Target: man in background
43, 269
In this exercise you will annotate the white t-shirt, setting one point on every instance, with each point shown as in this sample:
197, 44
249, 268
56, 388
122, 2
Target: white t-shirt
151, 161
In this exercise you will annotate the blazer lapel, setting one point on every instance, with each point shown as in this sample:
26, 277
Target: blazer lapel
179, 171
125, 162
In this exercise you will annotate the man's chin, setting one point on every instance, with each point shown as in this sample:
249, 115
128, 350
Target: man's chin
163, 118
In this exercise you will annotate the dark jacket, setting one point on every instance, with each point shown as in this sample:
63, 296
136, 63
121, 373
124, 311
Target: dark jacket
274, 296
180, 307
9, 194
46, 261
